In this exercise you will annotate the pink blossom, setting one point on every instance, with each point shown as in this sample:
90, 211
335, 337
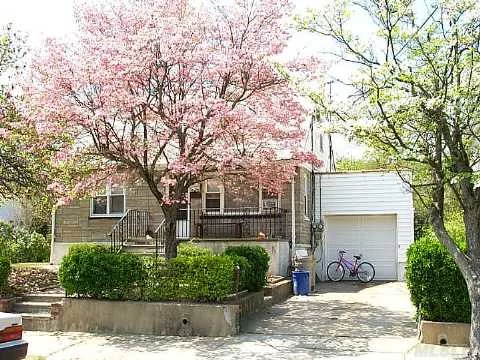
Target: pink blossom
169, 92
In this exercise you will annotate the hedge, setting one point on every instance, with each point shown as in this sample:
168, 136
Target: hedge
5, 270
255, 277
93, 271
197, 278
191, 249
436, 285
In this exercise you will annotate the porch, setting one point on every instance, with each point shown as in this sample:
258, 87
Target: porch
139, 232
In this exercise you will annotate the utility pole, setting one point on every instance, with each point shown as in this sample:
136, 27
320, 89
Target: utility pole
331, 159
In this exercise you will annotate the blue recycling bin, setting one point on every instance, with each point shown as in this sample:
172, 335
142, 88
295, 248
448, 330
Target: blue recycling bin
301, 282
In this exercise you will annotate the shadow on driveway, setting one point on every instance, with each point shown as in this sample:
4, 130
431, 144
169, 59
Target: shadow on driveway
341, 310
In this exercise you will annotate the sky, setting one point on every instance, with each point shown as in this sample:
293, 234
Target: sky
39, 19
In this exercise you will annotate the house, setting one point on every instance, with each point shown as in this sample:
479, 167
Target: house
214, 216
364, 212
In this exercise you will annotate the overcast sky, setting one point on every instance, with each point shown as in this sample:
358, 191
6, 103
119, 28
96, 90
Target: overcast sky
39, 19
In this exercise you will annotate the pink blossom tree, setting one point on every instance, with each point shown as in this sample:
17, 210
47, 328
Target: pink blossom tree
171, 92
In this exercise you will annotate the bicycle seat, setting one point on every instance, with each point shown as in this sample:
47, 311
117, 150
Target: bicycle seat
358, 257
342, 252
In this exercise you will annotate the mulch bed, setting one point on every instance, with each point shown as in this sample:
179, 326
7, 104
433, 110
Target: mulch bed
31, 280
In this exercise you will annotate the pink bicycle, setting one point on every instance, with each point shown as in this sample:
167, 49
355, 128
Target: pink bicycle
364, 271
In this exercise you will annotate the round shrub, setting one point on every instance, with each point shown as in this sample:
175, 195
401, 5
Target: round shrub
258, 259
5, 270
246, 279
94, 271
436, 285
191, 249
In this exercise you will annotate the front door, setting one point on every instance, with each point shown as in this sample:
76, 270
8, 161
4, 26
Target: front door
183, 220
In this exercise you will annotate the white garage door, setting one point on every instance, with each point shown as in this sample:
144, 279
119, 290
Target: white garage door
373, 236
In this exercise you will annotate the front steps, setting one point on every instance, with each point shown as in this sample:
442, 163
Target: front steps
138, 249
144, 246
36, 311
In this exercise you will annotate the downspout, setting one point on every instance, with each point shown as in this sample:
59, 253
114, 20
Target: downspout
292, 255
52, 236
313, 214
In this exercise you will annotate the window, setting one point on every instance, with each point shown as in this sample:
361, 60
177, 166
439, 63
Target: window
109, 203
213, 195
305, 195
269, 201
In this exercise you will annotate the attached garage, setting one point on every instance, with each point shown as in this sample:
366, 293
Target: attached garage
373, 236
368, 213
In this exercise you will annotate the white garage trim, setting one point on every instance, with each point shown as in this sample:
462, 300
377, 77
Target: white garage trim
367, 193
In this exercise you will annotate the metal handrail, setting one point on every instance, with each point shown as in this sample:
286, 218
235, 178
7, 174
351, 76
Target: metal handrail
131, 224
159, 235
119, 221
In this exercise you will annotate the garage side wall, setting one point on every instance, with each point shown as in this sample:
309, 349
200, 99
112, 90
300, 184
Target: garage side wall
368, 193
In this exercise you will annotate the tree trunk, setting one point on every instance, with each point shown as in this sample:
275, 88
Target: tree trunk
473, 285
171, 242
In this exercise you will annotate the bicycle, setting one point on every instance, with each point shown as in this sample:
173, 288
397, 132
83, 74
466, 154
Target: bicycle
364, 271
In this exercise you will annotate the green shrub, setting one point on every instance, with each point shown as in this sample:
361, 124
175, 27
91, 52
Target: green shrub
198, 278
436, 285
5, 270
246, 272
20, 245
94, 271
258, 259
191, 249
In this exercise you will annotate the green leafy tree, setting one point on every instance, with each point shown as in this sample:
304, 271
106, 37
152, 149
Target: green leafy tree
24, 169
416, 100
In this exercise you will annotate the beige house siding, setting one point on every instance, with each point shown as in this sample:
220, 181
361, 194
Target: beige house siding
73, 223
302, 221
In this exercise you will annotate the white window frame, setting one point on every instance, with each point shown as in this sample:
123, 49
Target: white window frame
108, 194
204, 195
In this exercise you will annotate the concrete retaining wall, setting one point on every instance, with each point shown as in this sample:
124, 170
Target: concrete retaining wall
250, 303
279, 291
277, 250
137, 317
155, 318
444, 333
6, 305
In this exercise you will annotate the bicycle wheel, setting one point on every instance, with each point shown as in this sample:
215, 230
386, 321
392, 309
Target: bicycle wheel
365, 272
335, 271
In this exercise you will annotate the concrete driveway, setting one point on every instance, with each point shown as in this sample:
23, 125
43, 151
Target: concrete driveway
340, 321
345, 309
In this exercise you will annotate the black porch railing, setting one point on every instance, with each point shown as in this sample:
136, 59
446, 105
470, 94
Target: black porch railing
134, 223
232, 223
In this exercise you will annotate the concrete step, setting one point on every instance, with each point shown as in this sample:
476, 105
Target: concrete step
32, 307
141, 249
48, 298
139, 240
38, 322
